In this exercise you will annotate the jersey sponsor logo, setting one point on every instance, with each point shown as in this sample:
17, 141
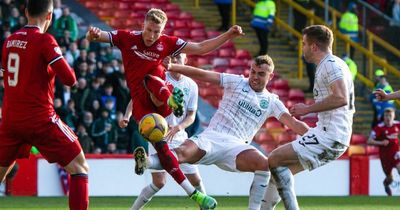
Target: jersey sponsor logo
186, 91
134, 47
151, 54
179, 41
57, 50
160, 47
136, 32
245, 90
247, 106
17, 43
143, 56
264, 103
115, 32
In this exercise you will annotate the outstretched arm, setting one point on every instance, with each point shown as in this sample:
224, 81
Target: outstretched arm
212, 44
128, 113
196, 73
382, 96
297, 126
98, 35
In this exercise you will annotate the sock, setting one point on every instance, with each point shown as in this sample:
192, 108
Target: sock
171, 165
145, 196
201, 187
271, 197
79, 192
285, 184
158, 88
258, 188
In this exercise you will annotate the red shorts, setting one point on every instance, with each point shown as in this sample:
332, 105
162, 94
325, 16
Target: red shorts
142, 105
388, 162
56, 142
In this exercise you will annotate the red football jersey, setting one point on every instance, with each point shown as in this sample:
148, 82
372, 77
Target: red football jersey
139, 60
28, 76
382, 132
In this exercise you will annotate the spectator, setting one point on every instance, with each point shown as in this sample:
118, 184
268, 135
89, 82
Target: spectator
385, 135
66, 39
352, 65
87, 121
84, 139
72, 53
377, 105
66, 22
81, 94
13, 19
348, 25
104, 132
57, 11
395, 25
300, 20
310, 68
263, 19
224, 8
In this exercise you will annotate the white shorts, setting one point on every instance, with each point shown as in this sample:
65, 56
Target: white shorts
221, 149
185, 167
314, 149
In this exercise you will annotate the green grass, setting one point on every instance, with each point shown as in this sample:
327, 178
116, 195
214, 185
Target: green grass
183, 203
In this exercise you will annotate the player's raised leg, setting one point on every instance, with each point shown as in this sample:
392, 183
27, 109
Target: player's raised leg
271, 197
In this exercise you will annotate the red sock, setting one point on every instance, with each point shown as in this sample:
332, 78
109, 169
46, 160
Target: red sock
158, 87
79, 192
168, 161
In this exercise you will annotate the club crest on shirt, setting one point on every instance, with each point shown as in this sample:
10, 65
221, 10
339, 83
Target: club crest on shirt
115, 32
57, 50
264, 103
160, 47
186, 91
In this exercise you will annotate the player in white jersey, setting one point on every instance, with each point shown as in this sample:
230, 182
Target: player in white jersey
244, 108
334, 103
175, 136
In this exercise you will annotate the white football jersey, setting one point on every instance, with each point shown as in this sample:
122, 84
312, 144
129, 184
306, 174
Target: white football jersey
337, 123
242, 111
190, 91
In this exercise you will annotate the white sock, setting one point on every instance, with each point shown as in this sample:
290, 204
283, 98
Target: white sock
285, 184
145, 196
271, 197
258, 188
201, 188
153, 162
188, 187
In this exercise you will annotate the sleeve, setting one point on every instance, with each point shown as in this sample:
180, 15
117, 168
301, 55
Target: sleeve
194, 96
53, 55
175, 45
117, 37
333, 72
229, 81
277, 108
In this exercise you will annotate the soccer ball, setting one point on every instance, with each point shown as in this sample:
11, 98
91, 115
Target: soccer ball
153, 127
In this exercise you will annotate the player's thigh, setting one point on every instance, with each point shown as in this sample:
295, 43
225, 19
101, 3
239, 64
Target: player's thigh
284, 155
251, 160
141, 106
12, 146
58, 143
78, 165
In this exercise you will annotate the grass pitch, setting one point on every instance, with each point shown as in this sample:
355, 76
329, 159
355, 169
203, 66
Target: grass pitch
184, 203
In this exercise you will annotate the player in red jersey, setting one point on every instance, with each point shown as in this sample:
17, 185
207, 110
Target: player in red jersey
31, 59
142, 55
385, 135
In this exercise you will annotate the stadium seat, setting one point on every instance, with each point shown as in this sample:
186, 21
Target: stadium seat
268, 148
182, 33
172, 8
179, 24
358, 139
242, 54
356, 150
286, 137
238, 63
262, 137
123, 14
198, 34
220, 62
296, 95
282, 93
228, 45
202, 61
372, 150
225, 53
309, 101
122, 6
196, 25
186, 16
212, 34
280, 84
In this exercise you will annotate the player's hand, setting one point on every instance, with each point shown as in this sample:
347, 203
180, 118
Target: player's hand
123, 123
171, 133
397, 155
385, 142
167, 62
235, 31
93, 33
380, 95
299, 109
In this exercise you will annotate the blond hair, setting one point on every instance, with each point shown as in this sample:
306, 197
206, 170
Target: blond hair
265, 59
157, 16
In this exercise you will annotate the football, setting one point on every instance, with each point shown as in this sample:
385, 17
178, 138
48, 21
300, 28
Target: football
153, 127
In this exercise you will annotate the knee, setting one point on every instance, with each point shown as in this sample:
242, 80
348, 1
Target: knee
263, 165
273, 160
194, 180
159, 183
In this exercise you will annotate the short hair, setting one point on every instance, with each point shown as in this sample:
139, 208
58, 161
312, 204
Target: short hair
321, 35
156, 15
265, 59
37, 8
